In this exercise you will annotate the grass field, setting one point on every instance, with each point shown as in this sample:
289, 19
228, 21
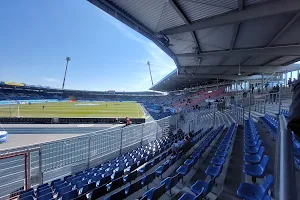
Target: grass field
74, 109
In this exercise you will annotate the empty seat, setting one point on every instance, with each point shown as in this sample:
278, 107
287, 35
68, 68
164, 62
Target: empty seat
188, 196
148, 179
255, 192
161, 169
88, 187
258, 170
130, 177
134, 187
255, 158
170, 182
115, 184
155, 193
207, 187
213, 171
117, 196
99, 192
70, 195
45, 197
217, 161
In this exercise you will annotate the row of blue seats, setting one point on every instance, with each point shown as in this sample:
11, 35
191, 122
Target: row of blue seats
255, 165
168, 183
285, 113
139, 184
103, 173
202, 188
272, 126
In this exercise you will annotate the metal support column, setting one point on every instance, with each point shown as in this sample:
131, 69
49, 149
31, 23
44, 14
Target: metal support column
214, 117
262, 83
280, 98
285, 178
249, 106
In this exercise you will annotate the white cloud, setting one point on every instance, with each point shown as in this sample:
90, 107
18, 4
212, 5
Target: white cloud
51, 80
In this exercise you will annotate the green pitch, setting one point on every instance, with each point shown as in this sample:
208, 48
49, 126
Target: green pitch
74, 109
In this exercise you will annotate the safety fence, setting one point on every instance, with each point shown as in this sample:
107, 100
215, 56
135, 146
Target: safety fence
28, 166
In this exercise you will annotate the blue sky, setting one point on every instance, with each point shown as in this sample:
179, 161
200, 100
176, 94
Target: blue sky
36, 36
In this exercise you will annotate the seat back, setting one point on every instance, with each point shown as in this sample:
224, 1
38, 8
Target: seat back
268, 182
99, 192
30, 197
131, 176
116, 184
70, 195
136, 186
118, 174
159, 192
88, 187
64, 190
200, 195
174, 180
264, 161
148, 179
210, 185
261, 151
118, 195
45, 197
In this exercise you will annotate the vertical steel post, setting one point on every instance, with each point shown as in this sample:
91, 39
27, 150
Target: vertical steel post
249, 105
214, 115
29, 170
265, 104
280, 98
40, 167
121, 143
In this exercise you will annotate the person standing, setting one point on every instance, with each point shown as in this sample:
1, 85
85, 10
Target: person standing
294, 114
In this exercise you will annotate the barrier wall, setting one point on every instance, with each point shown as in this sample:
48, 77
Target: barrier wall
30, 120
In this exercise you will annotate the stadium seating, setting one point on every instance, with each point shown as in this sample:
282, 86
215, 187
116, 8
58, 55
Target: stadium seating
111, 175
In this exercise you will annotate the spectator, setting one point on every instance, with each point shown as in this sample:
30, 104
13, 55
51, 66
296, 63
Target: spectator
294, 122
252, 89
294, 82
128, 122
289, 82
209, 105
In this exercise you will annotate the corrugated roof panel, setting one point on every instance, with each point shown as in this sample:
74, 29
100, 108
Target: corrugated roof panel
182, 43
198, 9
283, 60
187, 61
211, 60
291, 35
169, 18
250, 2
217, 38
234, 60
259, 32
259, 60
147, 12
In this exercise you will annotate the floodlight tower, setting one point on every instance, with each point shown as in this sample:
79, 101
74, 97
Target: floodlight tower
67, 59
148, 63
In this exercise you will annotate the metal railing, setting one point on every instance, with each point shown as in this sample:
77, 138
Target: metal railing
285, 181
51, 160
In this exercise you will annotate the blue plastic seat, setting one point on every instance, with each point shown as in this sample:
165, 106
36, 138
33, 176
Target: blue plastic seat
30, 197
213, 171
184, 169
155, 193
99, 192
255, 192
43, 191
70, 195
46, 196
207, 186
170, 182
217, 161
130, 177
221, 153
88, 187
117, 196
253, 150
26, 193
62, 191
145, 168
134, 187
255, 158
188, 196
161, 169
188, 162
258, 170
115, 184
148, 179
251, 143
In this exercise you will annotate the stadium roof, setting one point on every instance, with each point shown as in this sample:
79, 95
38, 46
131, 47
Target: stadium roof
210, 39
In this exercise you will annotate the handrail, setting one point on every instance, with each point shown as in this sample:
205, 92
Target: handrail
285, 170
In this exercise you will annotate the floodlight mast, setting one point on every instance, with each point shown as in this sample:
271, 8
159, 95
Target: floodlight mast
67, 59
148, 63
